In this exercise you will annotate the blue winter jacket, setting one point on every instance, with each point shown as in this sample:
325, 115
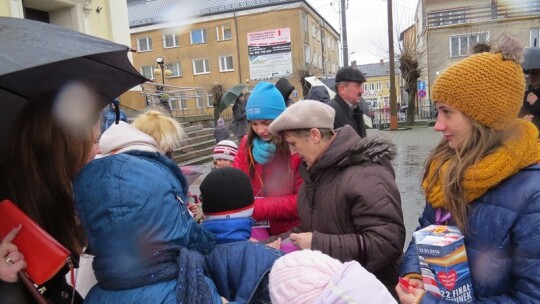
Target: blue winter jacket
502, 242
238, 267
130, 206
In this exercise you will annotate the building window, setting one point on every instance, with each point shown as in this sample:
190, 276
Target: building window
388, 84
372, 86
535, 37
226, 63
209, 101
307, 54
175, 68
170, 41
461, 45
144, 44
379, 86
199, 102
319, 34
198, 36
182, 104
148, 71
201, 66
313, 30
223, 32
365, 86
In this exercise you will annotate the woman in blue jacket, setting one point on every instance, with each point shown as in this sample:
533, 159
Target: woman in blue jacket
483, 178
147, 247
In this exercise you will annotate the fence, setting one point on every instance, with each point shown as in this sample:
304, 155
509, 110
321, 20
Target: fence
381, 116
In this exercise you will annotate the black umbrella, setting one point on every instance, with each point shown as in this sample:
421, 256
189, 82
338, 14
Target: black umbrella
36, 57
532, 59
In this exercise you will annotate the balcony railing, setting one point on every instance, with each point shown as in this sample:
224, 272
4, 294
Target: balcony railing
482, 13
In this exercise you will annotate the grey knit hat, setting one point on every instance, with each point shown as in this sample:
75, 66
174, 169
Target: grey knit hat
305, 114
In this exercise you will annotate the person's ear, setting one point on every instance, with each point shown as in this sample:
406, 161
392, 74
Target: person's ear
315, 134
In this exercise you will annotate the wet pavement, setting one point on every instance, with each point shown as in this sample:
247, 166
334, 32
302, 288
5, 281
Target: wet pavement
413, 146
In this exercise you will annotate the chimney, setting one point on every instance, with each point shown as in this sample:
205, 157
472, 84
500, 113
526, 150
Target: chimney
381, 61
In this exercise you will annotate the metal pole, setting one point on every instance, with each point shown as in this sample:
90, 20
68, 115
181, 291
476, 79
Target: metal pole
393, 101
344, 34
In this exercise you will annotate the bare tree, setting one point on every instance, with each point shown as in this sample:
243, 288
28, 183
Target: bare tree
410, 72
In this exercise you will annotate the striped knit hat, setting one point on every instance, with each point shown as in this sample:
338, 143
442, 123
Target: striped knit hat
225, 149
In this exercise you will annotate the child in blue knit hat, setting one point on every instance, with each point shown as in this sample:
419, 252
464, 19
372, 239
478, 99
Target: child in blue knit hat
267, 161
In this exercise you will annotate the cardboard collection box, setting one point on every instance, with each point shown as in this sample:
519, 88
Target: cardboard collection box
443, 261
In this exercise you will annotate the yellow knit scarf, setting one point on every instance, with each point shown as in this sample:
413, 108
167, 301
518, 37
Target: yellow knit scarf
515, 154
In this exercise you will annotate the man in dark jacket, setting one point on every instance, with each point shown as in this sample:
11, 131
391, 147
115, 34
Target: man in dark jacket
349, 89
349, 205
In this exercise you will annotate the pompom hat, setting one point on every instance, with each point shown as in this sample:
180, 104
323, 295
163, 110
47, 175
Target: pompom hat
487, 87
265, 102
225, 149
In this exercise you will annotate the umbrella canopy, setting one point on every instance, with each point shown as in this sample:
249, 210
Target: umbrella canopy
314, 81
230, 96
37, 57
532, 58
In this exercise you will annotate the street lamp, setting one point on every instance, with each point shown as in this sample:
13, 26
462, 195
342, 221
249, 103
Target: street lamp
159, 71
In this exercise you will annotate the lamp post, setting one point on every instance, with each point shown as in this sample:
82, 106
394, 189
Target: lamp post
160, 71
163, 71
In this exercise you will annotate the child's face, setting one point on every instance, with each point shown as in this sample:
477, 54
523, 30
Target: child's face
222, 163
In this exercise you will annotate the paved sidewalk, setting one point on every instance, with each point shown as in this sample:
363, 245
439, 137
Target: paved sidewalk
413, 146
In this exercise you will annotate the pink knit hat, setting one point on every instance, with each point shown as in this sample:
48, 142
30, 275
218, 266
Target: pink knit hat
312, 277
301, 276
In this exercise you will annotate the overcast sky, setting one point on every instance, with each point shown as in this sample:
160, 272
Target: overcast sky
367, 25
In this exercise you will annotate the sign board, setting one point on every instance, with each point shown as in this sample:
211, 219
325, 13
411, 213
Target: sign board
270, 54
421, 93
421, 86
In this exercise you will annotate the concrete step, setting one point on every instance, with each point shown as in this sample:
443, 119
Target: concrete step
196, 139
191, 129
194, 154
200, 132
195, 147
197, 160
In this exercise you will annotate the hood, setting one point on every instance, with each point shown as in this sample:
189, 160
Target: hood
349, 149
318, 93
284, 87
124, 137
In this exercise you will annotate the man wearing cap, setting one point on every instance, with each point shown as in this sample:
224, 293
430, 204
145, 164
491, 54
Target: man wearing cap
349, 205
349, 89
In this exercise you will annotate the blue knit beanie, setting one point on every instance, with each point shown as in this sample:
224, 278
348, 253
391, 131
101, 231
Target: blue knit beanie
265, 102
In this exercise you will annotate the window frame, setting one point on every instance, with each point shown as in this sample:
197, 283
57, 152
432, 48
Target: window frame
464, 52
176, 41
151, 67
148, 43
531, 37
203, 36
220, 32
178, 65
206, 65
209, 101
227, 69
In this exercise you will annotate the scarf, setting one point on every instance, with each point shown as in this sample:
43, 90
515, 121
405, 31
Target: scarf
263, 151
230, 230
515, 154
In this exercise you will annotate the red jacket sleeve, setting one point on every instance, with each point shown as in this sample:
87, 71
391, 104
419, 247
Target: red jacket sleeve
241, 158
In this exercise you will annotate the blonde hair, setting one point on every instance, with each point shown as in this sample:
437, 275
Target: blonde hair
164, 129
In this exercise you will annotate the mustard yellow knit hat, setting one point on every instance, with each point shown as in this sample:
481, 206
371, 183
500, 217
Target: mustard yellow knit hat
487, 87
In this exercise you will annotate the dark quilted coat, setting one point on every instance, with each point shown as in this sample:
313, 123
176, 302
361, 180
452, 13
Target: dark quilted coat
502, 243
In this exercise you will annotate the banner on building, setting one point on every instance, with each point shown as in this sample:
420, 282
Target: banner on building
270, 54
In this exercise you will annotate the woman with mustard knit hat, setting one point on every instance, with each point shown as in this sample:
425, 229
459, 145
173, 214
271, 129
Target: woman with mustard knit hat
483, 178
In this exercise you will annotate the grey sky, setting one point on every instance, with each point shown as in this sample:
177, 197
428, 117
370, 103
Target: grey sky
367, 25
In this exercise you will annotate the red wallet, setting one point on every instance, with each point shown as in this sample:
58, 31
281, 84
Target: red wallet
43, 254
